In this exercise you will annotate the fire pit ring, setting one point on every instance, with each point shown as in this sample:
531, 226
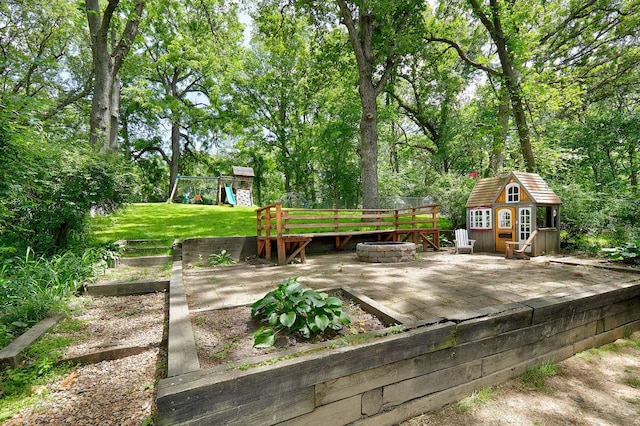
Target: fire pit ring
385, 252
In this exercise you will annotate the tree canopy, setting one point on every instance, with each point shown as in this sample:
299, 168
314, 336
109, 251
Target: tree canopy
347, 103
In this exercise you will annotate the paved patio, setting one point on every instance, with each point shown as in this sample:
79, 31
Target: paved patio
437, 285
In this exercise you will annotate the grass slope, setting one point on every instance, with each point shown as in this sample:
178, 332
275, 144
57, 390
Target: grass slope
168, 222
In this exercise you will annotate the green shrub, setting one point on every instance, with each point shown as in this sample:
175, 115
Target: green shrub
32, 286
48, 187
628, 253
293, 308
451, 193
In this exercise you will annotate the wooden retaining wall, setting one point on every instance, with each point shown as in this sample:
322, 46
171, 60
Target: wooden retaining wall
387, 380
198, 249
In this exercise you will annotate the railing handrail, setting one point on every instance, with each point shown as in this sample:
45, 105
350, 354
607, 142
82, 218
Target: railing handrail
285, 219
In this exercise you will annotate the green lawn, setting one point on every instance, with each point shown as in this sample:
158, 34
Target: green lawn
168, 222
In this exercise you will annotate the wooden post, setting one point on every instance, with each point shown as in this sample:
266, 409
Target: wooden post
282, 253
285, 219
267, 242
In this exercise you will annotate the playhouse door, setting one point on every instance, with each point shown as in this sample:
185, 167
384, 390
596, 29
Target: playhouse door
505, 227
524, 225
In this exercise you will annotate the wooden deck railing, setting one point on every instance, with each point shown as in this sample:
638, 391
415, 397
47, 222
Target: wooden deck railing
293, 229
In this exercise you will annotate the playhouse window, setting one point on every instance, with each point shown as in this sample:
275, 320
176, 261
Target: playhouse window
547, 217
513, 193
504, 219
480, 219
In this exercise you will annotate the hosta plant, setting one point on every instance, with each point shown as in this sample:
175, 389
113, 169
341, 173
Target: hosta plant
628, 253
221, 259
293, 308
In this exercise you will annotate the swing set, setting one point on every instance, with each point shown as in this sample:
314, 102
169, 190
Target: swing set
232, 190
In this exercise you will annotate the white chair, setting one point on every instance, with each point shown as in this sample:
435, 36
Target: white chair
463, 243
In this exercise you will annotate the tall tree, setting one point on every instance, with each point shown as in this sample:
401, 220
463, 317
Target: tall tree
380, 33
187, 50
502, 20
109, 52
43, 55
275, 89
427, 90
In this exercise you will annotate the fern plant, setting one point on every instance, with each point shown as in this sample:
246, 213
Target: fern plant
292, 308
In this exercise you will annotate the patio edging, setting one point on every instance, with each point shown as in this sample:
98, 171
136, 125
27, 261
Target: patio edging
392, 378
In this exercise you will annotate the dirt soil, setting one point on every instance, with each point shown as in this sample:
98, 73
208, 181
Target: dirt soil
596, 387
223, 336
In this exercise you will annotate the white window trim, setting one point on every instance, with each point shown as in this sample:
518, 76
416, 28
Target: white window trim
482, 215
501, 218
510, 186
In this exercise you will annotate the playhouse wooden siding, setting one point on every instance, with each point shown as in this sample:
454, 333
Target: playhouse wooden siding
491, 194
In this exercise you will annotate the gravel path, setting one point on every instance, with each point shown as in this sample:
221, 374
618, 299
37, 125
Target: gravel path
112, 392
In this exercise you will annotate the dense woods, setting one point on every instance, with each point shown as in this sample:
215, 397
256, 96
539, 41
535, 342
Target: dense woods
345, 103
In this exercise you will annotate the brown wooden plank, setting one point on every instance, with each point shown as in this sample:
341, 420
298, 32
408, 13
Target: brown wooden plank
417, 387
340, 412
299, 250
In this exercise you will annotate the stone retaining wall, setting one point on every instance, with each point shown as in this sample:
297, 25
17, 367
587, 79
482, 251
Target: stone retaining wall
387, 380
386, 252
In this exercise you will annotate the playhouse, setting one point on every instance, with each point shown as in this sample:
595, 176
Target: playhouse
236, 189
510, 208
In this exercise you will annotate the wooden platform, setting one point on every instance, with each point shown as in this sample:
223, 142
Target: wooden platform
292, 230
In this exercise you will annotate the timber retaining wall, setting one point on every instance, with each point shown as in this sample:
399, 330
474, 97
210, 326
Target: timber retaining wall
389, 379
198, 249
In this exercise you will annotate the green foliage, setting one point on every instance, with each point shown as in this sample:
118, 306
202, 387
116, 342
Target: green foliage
32, 286
451, 192
47, 190
628, 253
534, 378
19, 387
292, 308
595, 219
221, 259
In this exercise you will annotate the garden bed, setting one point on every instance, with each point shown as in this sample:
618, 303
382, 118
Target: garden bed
223, 336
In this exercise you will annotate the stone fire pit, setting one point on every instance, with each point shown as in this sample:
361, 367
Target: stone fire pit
385, 252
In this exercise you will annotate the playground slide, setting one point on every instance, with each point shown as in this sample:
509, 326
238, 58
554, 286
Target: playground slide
230, 197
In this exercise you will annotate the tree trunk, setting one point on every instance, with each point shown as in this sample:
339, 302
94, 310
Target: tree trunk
500, 134
106, 66
103, 79
114, 114
362, 42
520, 119
493, 25
369, 144
174, 166
633, 169
513, 87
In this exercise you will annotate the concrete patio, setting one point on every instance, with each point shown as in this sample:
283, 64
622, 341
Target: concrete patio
436, 285
469, 321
